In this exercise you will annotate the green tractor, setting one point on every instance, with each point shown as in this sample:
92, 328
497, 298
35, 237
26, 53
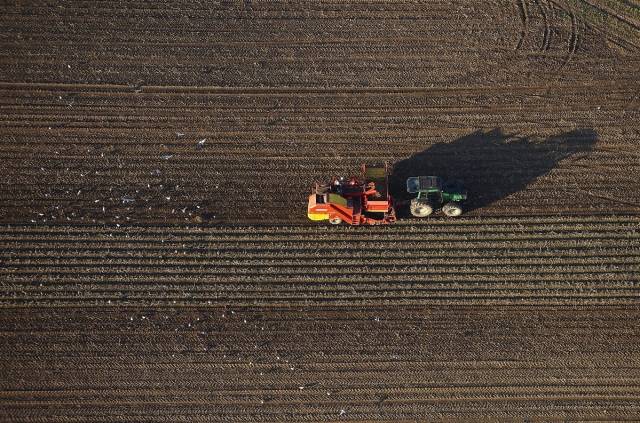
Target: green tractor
433, 193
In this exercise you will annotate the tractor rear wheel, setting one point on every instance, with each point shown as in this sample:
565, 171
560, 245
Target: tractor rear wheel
335, 221
420, 208
452, 209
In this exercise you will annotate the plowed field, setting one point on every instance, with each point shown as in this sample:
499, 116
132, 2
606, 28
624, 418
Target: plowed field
156, 263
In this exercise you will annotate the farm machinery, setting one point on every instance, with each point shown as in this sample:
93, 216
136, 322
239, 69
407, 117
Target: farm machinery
355, 200
366, 200
433, 193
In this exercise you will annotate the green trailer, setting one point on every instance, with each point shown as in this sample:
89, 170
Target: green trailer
432, 193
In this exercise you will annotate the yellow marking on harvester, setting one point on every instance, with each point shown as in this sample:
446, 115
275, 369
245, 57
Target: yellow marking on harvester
318, 216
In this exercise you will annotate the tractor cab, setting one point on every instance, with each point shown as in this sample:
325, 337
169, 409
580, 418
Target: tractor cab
424, 184
426, 187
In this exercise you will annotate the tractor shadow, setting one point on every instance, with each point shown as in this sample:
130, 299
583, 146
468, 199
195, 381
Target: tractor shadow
491, 164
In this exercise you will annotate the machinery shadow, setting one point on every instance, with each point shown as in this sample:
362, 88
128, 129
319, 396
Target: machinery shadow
491, 164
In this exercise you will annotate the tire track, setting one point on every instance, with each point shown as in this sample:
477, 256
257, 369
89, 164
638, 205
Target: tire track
524, 15
546, 34
575, 36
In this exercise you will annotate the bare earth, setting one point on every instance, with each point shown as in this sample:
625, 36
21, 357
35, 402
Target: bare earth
156, 263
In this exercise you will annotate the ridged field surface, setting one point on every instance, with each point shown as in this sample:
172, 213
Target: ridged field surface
157, 264
186, 364
462, 262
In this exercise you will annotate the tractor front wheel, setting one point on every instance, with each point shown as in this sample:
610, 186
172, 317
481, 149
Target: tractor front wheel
420, 208
452, 209
335, 221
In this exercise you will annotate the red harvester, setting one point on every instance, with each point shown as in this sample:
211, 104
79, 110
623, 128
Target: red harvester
361, 200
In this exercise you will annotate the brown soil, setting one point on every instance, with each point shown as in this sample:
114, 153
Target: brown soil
156, 263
